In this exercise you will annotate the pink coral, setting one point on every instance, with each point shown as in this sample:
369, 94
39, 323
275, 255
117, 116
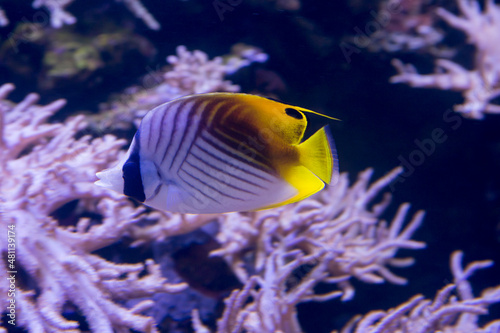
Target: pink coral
279, 254
59, 16
190, 72
446, 313
44, 167
480, 85
330, 237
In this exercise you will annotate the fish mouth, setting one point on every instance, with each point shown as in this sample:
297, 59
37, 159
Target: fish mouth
103, 179
110, 178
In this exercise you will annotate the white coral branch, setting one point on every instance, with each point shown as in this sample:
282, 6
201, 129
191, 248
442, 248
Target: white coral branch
445, 313
330, 238
59, 16
44, 167
480, 85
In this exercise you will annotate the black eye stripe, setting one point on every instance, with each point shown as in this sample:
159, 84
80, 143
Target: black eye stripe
131, 172
132, 179
294, 113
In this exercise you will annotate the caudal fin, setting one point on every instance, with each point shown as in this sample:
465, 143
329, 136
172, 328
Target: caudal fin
319, 155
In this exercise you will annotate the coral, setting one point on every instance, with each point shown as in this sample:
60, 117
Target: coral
59, 16
68, 60
44, 168
280, 254
3, 19
446, 313
136, 7
191, 72
480, 85
194, 73
329, 238
340, 219
403, 26
283, 253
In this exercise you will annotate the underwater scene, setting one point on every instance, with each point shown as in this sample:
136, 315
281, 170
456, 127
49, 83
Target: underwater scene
250, 166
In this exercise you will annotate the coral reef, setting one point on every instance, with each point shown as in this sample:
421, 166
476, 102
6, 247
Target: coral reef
283, 253
480, 85
190, 72
340, 227
294, 249
79, 258
329, 238
403, 26
68, 61
59, 16
44, 168
446, 313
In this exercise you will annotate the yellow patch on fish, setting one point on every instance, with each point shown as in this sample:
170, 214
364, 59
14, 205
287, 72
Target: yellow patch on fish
224, 152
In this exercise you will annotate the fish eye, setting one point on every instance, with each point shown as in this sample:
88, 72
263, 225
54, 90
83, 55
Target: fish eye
294, 113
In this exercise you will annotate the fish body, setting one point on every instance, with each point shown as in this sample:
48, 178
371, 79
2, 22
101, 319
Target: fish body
223, 152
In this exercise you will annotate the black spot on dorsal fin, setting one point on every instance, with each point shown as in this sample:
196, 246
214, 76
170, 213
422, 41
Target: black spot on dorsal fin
294, 113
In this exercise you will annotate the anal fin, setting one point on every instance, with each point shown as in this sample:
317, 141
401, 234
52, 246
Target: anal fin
303, 180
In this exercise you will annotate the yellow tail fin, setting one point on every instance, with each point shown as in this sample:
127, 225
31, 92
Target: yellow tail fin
319, 155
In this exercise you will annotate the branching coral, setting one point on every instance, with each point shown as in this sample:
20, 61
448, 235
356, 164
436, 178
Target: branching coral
446, 313
191, 72
194, 73
341, 223
403, 26
43, 168
59, 16
478, 86
282, 254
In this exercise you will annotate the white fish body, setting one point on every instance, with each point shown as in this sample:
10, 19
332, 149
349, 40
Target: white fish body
184, 159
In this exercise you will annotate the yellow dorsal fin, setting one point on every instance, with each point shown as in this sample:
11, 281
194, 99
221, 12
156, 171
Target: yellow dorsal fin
319, 155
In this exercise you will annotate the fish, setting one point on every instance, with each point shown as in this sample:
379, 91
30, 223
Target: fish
224, 152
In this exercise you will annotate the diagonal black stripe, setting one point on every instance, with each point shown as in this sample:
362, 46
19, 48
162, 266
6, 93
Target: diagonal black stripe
225, 161
157, 190
166, 110
211, 187
223, 171
225, 107
151, 130
192, 195
248, 161
236, 134
188, 125
211, 176
239, 141
195, 188
175, 123
211, 108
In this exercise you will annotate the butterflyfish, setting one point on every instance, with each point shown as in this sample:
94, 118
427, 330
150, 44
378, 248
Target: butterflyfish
224, 152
